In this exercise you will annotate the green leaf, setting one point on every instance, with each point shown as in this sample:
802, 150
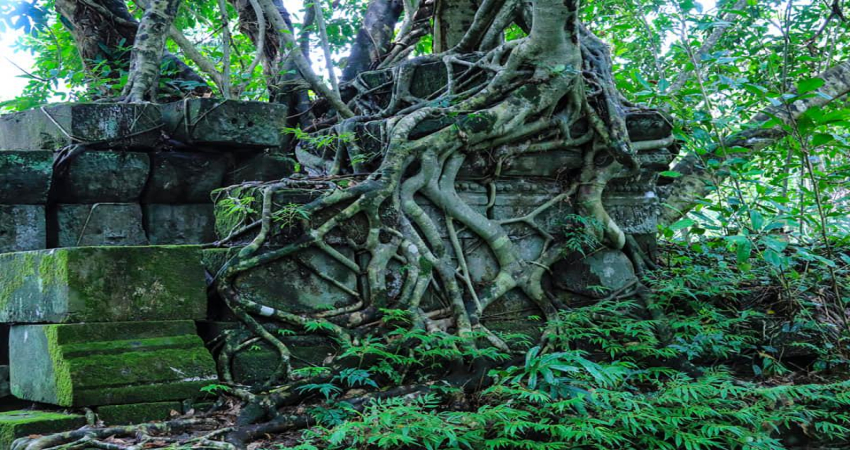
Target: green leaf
683, 223
808, 85
670, 174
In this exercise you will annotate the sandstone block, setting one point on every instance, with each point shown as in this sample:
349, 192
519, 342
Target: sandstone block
137, 412
292, 284
99, 224
183, 177
262, 167
22, 227
179, 224
18, 424
102, 284
100, 125
215, 123
95, 364
93, 177
25, 177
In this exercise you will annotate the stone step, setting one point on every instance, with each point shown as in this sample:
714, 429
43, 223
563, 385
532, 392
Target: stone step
102, 284
99, 125
18, 424
91, 364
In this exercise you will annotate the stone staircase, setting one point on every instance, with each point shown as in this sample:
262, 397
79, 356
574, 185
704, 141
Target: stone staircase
102, 284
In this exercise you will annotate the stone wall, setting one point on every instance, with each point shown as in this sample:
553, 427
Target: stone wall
103, 304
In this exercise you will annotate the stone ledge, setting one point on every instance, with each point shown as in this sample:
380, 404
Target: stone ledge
95, 364
18, 424
102, 284
99, 125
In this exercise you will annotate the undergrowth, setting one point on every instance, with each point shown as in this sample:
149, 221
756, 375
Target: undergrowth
746, 365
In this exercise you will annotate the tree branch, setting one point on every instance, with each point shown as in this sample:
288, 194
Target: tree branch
684, 192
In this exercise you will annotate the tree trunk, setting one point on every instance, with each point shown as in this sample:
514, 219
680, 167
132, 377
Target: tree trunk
104, 30
452, 18
148, 49
374, 37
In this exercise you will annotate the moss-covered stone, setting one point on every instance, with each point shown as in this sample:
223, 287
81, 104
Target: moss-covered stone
179, 224
25, 177
108, 363
98, 224
214, 123
99, 125
137, 412
184, 178
92, 177
17, 424
22, 227
102, 284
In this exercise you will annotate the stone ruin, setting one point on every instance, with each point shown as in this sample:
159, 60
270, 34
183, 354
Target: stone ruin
104, 298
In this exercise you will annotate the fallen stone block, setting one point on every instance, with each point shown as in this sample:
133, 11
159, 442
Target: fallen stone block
25, 177
183, 177
93, 177
18, 424
179, 224
98, 125
102, 284
99, 224
137, 412
92, 364
22, 227
218, 123
596, 275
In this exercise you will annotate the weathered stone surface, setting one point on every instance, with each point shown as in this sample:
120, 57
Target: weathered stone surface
18, 424
293, 285
137, 412
102, 284
25, 177
99, 125
5, 390
256, 364
262, 167
99, 224
93, 177
92, 364
22, 227
183, 177
179, 224
230, 124
596, 275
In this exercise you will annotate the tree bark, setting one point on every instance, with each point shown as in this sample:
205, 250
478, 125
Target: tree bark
684, 192
148, 49
374, 37
451, 20
104, 30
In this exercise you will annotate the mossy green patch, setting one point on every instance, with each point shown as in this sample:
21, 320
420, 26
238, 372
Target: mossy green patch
137, 412
16, 424
88, 364
102, 284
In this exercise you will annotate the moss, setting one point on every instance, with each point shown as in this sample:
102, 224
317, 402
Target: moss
18, 268
137, 412
16, 424
69, 370
62, 381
